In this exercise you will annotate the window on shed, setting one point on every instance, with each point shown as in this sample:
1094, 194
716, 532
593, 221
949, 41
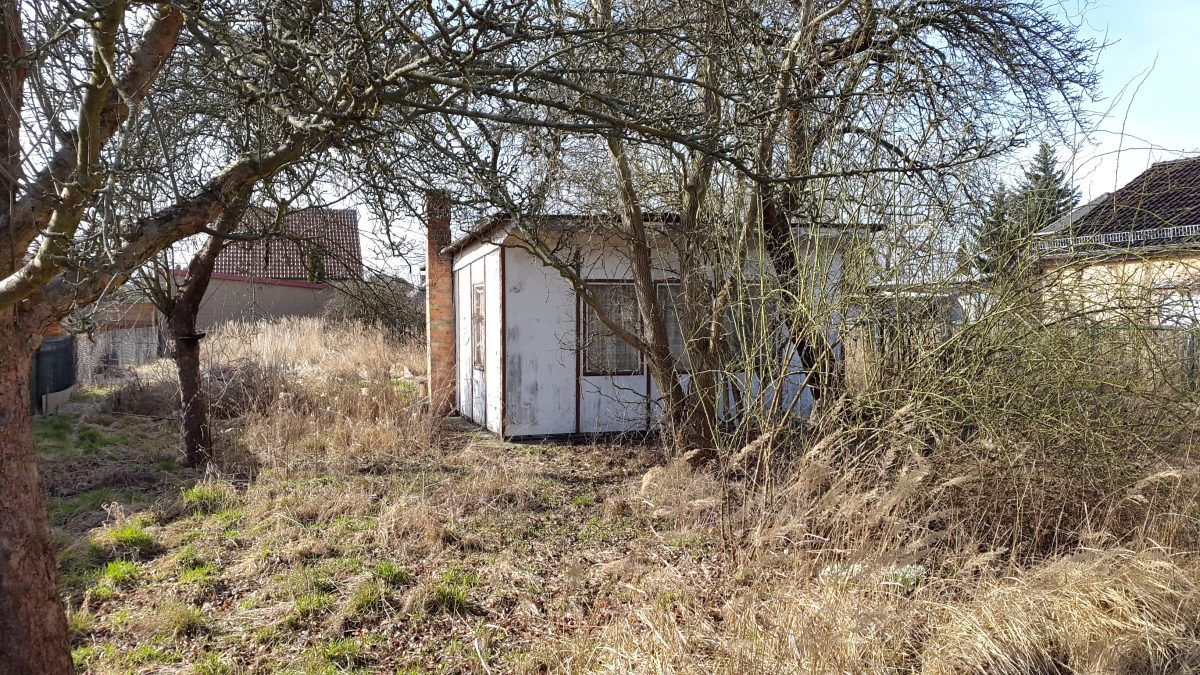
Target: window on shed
1180, 309
604, 352
670, 302
478, 357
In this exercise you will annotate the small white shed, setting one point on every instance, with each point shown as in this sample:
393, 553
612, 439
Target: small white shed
512, 347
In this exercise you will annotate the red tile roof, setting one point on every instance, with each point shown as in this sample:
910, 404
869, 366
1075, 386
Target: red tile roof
310, 244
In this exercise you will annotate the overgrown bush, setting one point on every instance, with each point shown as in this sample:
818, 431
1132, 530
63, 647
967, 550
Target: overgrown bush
381, 301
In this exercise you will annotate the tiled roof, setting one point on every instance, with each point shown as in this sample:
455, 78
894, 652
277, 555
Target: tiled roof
1160, 207
311, 244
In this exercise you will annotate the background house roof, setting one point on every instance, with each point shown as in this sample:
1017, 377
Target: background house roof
311, 244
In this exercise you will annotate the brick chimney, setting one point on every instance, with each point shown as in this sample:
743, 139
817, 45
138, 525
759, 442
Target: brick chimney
439, 305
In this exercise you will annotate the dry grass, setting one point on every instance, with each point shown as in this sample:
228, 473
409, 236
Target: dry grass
883, 539
314, 347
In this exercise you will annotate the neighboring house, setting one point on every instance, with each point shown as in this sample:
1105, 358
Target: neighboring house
288, 272
514, 349
1132, 256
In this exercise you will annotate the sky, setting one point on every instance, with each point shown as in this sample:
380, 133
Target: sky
1149, 88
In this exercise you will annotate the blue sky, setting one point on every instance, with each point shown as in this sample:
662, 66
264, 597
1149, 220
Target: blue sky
1150, 84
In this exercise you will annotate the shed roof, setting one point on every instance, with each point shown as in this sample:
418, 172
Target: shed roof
310, 243
493, 225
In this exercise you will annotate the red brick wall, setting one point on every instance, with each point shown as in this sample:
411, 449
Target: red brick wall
439, 305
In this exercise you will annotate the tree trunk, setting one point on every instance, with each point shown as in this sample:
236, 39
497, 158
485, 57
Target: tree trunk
197, 437
181, 307
33, 626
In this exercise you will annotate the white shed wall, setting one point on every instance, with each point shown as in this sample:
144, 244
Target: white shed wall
540, 348
478, 391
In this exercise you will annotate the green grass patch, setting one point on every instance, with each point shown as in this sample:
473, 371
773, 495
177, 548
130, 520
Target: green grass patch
584, 501
453, 587
212, 664
368, 597
392, 574
344, 652
210, 497
92, 439
121, 573
309, 606
92, 501
52, 435
201, 576
149, 655
131, 538
88, 657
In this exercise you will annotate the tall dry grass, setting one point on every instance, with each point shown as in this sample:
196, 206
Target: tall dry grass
314, 347
1014, 501
318, 394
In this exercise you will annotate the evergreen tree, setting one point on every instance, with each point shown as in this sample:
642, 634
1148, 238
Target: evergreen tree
1045, 194
1003, 241
994, 231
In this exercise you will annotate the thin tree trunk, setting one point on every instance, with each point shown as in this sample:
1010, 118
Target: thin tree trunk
181, 306
33, 626
197, 436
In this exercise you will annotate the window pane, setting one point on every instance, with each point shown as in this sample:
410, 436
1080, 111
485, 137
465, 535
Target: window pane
477, 334
670, 301
604, 351
1180, 309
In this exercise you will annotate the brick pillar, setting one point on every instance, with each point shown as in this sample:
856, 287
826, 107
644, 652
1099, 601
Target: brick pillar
439, 306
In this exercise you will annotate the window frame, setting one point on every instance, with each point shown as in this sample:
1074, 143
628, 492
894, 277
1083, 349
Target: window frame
586, 333
478, 326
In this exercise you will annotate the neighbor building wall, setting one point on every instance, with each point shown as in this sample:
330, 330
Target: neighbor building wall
249, 300
1128, 288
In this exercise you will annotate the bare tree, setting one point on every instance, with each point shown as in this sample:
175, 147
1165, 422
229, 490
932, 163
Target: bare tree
87, 203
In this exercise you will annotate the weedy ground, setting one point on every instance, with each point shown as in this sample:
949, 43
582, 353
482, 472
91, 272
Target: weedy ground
340, 530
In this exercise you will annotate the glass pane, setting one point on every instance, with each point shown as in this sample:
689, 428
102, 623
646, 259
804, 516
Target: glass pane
604, 351
1180, 309
477, 334
670, 301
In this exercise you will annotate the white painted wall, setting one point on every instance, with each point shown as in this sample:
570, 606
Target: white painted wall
534, 382
540, 349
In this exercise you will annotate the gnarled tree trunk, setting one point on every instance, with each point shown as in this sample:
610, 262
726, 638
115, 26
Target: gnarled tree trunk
33, 626
197, 436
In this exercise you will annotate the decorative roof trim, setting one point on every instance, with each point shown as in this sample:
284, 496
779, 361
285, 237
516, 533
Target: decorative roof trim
1173, 233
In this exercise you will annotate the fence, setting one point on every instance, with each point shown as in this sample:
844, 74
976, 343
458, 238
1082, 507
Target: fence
112, 353
52, 371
